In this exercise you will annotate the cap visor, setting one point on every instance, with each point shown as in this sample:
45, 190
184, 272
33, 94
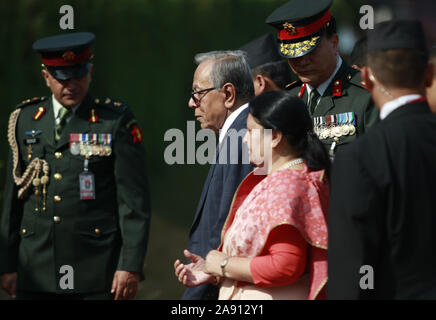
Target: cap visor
300, 48
65, 73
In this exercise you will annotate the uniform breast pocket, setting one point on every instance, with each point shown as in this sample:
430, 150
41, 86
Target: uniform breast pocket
27, 229
97, 233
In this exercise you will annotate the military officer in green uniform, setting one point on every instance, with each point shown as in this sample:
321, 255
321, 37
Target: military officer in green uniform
76, 209
337, 100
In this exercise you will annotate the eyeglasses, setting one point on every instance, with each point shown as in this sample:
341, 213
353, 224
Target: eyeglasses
195, 95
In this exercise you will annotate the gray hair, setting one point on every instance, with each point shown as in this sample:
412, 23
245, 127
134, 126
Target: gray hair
230, 67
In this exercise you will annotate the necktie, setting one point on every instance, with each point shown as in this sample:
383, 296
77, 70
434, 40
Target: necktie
313, 99
62, 116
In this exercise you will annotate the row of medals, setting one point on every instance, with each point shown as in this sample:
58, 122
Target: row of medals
333, 130
90, 149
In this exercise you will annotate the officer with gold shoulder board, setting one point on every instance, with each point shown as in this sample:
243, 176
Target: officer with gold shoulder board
76, 208
340, 106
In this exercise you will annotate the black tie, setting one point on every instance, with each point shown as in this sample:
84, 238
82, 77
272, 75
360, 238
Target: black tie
313, 99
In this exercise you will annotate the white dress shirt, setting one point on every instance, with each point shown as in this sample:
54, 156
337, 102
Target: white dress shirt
57, 106
229, 121
393, 105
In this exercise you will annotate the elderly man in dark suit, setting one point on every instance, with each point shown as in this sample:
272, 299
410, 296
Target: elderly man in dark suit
221, 90
382, 212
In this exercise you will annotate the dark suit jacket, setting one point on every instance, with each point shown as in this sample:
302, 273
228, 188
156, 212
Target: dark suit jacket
94, 237
383, 210
219, 188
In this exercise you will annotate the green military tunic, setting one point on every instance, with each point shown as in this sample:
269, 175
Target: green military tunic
345, 94
94, 237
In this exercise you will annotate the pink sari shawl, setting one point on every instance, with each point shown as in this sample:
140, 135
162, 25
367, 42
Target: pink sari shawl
261, 203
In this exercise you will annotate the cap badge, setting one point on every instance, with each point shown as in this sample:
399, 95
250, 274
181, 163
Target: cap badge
69, 56
289, 28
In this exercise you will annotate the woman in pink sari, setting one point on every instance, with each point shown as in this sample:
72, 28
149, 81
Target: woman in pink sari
274, 242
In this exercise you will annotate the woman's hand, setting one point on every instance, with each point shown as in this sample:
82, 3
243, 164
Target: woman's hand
213, 262
193, 274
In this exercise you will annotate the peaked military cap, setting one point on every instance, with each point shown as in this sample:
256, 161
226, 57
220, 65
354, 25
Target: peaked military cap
66, 55
262, 50
299, 24
397, 34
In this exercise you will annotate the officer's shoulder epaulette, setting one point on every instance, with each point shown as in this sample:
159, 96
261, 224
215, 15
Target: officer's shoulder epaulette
355, 78
293, 85
114, 105
29, 102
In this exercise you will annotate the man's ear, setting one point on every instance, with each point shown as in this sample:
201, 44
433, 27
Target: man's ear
429, 75
46, 76
335, 41
259, 84
366, 76
230, 95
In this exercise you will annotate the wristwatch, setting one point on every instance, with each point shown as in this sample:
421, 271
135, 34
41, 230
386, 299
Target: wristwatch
223, 265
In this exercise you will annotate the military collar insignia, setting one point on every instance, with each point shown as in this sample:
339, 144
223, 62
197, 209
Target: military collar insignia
303, 88
337, 88
39, 113
93, 117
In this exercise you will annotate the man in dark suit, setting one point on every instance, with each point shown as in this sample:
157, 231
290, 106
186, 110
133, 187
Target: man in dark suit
76, 207
337, 100
221, 89
382, 239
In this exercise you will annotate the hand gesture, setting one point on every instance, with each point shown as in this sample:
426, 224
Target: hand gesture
192, 275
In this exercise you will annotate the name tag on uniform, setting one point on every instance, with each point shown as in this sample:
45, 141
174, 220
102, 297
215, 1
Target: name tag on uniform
87, 186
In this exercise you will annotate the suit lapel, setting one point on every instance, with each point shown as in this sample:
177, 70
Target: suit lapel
79, 122
235, 125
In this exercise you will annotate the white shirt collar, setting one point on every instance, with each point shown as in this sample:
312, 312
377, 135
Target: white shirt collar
393, 105
229, 121
323, 86
57, 106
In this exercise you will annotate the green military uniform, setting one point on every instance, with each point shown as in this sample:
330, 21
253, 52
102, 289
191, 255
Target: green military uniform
95, 237
345, 94
345, 109
54, 213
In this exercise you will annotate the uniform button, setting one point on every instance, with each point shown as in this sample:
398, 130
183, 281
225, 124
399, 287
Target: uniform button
58, 155
349, 77
58, 176
337, 83
57, 199
57, 219
97, 232
24, 231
